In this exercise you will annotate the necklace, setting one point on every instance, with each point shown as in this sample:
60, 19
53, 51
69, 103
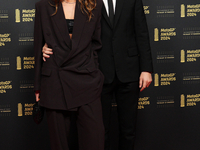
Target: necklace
69, 2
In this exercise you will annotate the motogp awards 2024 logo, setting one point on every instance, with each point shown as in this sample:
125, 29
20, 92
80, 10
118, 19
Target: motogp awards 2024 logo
190, 10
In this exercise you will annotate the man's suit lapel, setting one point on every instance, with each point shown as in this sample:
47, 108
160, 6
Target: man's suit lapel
105, 15
118, 10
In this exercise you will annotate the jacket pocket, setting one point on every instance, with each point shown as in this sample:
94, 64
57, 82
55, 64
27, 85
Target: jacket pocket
46, 72
132, 52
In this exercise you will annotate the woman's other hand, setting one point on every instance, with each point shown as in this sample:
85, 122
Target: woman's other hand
37, 96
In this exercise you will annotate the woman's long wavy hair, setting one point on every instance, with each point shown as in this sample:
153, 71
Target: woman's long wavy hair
86, 6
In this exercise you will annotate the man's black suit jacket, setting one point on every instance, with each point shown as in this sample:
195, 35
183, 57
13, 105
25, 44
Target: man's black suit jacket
125, 46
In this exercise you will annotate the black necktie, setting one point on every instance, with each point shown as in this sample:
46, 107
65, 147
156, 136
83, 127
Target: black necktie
111, 12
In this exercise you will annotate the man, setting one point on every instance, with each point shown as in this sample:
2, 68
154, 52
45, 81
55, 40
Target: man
125, 60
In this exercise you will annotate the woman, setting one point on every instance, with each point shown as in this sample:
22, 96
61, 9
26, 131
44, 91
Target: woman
70, 80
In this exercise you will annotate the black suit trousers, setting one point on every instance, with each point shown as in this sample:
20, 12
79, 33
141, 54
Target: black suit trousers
126, 96
89, 126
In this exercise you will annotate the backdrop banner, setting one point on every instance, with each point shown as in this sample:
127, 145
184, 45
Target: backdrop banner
168, 110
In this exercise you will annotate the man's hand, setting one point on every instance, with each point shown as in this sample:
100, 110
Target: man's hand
46, 52
145, 80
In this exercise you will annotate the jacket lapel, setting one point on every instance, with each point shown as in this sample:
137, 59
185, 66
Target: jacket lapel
119, 7
61, 23
105, 15
79, 22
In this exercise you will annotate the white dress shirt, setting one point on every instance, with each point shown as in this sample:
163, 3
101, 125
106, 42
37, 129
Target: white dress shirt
106, 5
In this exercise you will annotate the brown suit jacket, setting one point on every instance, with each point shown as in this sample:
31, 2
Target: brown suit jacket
70, 77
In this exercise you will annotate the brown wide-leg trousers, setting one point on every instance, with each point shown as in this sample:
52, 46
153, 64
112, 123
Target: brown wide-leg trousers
89, 126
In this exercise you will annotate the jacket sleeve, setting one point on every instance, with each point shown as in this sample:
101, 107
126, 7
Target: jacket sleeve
142, 38
38, 44
96, 38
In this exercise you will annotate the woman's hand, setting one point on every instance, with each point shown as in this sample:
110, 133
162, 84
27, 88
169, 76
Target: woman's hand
37, 96
46, 52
